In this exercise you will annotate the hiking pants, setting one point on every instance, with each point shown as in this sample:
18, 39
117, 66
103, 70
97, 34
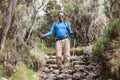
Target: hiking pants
63, 53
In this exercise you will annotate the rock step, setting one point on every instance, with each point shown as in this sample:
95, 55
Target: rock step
81, 68
64, 76
78, 62
54, 66
51, 61
52, 57
74, 57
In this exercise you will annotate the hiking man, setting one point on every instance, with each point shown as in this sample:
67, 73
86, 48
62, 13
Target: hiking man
62, 31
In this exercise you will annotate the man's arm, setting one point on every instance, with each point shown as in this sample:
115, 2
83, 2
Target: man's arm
50, 32
69, 29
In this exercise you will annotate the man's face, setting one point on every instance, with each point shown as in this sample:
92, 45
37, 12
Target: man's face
60, 16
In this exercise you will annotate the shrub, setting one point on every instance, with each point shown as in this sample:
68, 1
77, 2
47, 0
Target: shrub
1, 70
106, 9
115, 30
110, 33
23, 73
100, 42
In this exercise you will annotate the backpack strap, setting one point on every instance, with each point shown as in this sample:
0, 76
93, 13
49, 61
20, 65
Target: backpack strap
54, 40
66, 24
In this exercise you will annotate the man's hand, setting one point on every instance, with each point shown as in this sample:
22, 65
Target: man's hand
40, 35
75, 31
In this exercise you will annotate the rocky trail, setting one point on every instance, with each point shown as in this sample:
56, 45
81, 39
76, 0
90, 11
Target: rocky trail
82, 68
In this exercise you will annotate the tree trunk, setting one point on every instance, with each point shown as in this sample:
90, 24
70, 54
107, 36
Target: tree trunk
7, 22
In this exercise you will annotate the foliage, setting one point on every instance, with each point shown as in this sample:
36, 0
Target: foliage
1, 18
43, 27
25, 23
1, 65
100, 43
69, 6
1, 70
21, 1
37, 53
81, 8
1, 54
116, 24
106, 9
26, 49
23, 73
114, 64
20, 9
10, 47
3, 5
115, 28
44, 47
54, 12
52, 5
109, 34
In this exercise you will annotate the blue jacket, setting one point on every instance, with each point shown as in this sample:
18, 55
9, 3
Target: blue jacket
62, 29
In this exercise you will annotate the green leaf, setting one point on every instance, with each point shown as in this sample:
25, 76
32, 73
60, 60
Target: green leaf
69, 6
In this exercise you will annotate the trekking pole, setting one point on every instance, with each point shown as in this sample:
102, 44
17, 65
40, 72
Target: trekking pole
73, 53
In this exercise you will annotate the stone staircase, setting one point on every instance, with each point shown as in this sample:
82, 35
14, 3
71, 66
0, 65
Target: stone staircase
82, 68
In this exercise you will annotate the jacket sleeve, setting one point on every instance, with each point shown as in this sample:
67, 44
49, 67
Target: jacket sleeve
69, 29
51, 30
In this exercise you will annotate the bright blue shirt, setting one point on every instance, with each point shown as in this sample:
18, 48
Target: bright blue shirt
63, 29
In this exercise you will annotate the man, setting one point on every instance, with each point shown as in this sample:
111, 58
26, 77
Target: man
62, 31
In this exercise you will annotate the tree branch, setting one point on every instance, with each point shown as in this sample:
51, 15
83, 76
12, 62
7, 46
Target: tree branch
111, 10
35, 15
